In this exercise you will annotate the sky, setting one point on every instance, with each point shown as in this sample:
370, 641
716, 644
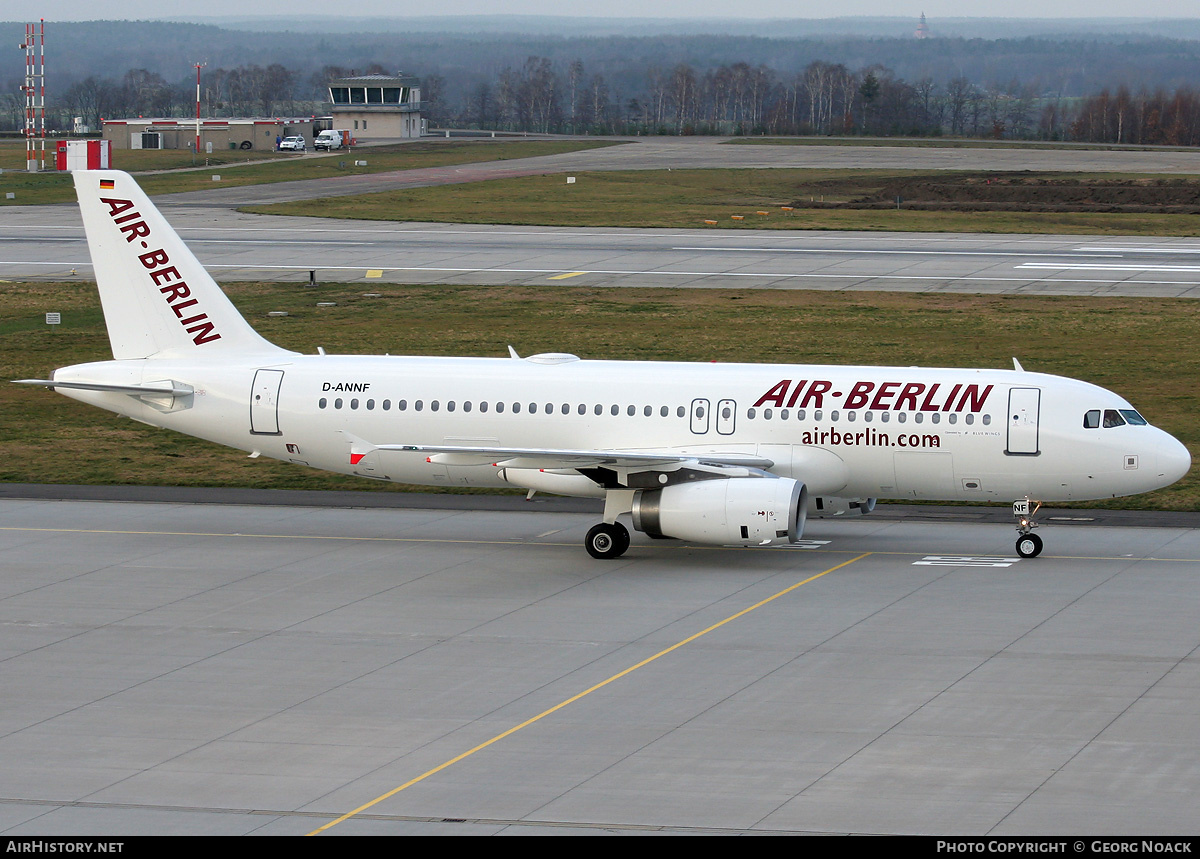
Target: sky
84, 10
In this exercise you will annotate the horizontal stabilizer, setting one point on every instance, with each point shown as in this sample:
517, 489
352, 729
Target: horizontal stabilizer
172, 389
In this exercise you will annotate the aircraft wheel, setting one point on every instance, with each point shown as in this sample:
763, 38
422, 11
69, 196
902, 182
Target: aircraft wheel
1029, 545
605, 541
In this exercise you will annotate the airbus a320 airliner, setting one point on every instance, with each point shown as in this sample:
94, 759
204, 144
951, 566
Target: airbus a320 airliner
724, 454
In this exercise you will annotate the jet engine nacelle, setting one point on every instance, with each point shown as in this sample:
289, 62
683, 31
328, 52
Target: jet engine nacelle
824, 506
747, 511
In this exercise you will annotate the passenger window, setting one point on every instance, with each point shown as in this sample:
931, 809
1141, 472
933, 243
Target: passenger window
322, 403
337, 404
598, 410
680, 412
387, 405
354, 403
370, 405
1113, 419
631, 411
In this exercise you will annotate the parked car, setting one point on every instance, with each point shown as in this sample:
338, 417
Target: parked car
293, 144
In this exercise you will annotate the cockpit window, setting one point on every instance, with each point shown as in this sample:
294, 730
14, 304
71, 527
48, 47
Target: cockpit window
1134, 418
1113, 419
1091, 420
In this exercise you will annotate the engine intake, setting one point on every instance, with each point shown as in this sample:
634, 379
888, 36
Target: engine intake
745, 511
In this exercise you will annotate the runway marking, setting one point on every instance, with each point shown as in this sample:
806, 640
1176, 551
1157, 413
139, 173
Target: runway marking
964, 561
568, 274
805, 544
582, 694
863, 251
1145, 250
1083, 266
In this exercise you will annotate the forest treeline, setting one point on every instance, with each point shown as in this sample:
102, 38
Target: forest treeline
542, 96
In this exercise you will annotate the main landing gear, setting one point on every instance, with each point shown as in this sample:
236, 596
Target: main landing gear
605, 541
1029, 544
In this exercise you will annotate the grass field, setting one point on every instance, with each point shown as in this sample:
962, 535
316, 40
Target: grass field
732, 199
1144, 349
256, 168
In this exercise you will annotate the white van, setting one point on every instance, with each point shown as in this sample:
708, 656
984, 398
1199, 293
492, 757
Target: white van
332, 138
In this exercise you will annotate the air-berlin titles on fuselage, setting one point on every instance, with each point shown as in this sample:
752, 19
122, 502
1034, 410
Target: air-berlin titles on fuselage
175, 290
883, 396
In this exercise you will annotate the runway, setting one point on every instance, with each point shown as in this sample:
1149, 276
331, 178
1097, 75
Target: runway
47, 243
219, 668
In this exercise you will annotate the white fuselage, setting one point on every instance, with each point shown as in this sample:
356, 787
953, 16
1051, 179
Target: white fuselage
849, 432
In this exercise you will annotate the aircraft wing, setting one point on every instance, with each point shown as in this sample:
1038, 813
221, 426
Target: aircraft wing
551, 459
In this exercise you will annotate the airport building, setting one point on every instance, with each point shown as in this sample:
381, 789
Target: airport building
377, 107
221, 134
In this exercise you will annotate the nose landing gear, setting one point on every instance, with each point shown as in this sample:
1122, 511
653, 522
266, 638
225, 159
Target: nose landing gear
1029, 544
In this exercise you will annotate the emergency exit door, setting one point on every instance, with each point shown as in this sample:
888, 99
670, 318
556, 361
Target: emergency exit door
264, 402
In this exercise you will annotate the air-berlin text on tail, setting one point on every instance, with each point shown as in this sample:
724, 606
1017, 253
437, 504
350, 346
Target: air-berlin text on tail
166, 277
878, 396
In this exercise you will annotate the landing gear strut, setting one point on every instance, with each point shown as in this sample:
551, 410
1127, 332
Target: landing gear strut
1029, 544
605, 541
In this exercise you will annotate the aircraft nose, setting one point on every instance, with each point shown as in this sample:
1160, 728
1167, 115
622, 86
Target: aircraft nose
1174, 460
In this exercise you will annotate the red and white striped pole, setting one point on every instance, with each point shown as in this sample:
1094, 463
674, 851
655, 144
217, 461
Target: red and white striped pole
35, 95
198, 66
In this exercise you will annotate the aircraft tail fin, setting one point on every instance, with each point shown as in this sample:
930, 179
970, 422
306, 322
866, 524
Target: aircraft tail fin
157, 297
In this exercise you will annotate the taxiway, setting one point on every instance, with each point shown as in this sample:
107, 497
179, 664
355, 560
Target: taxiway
184, 668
